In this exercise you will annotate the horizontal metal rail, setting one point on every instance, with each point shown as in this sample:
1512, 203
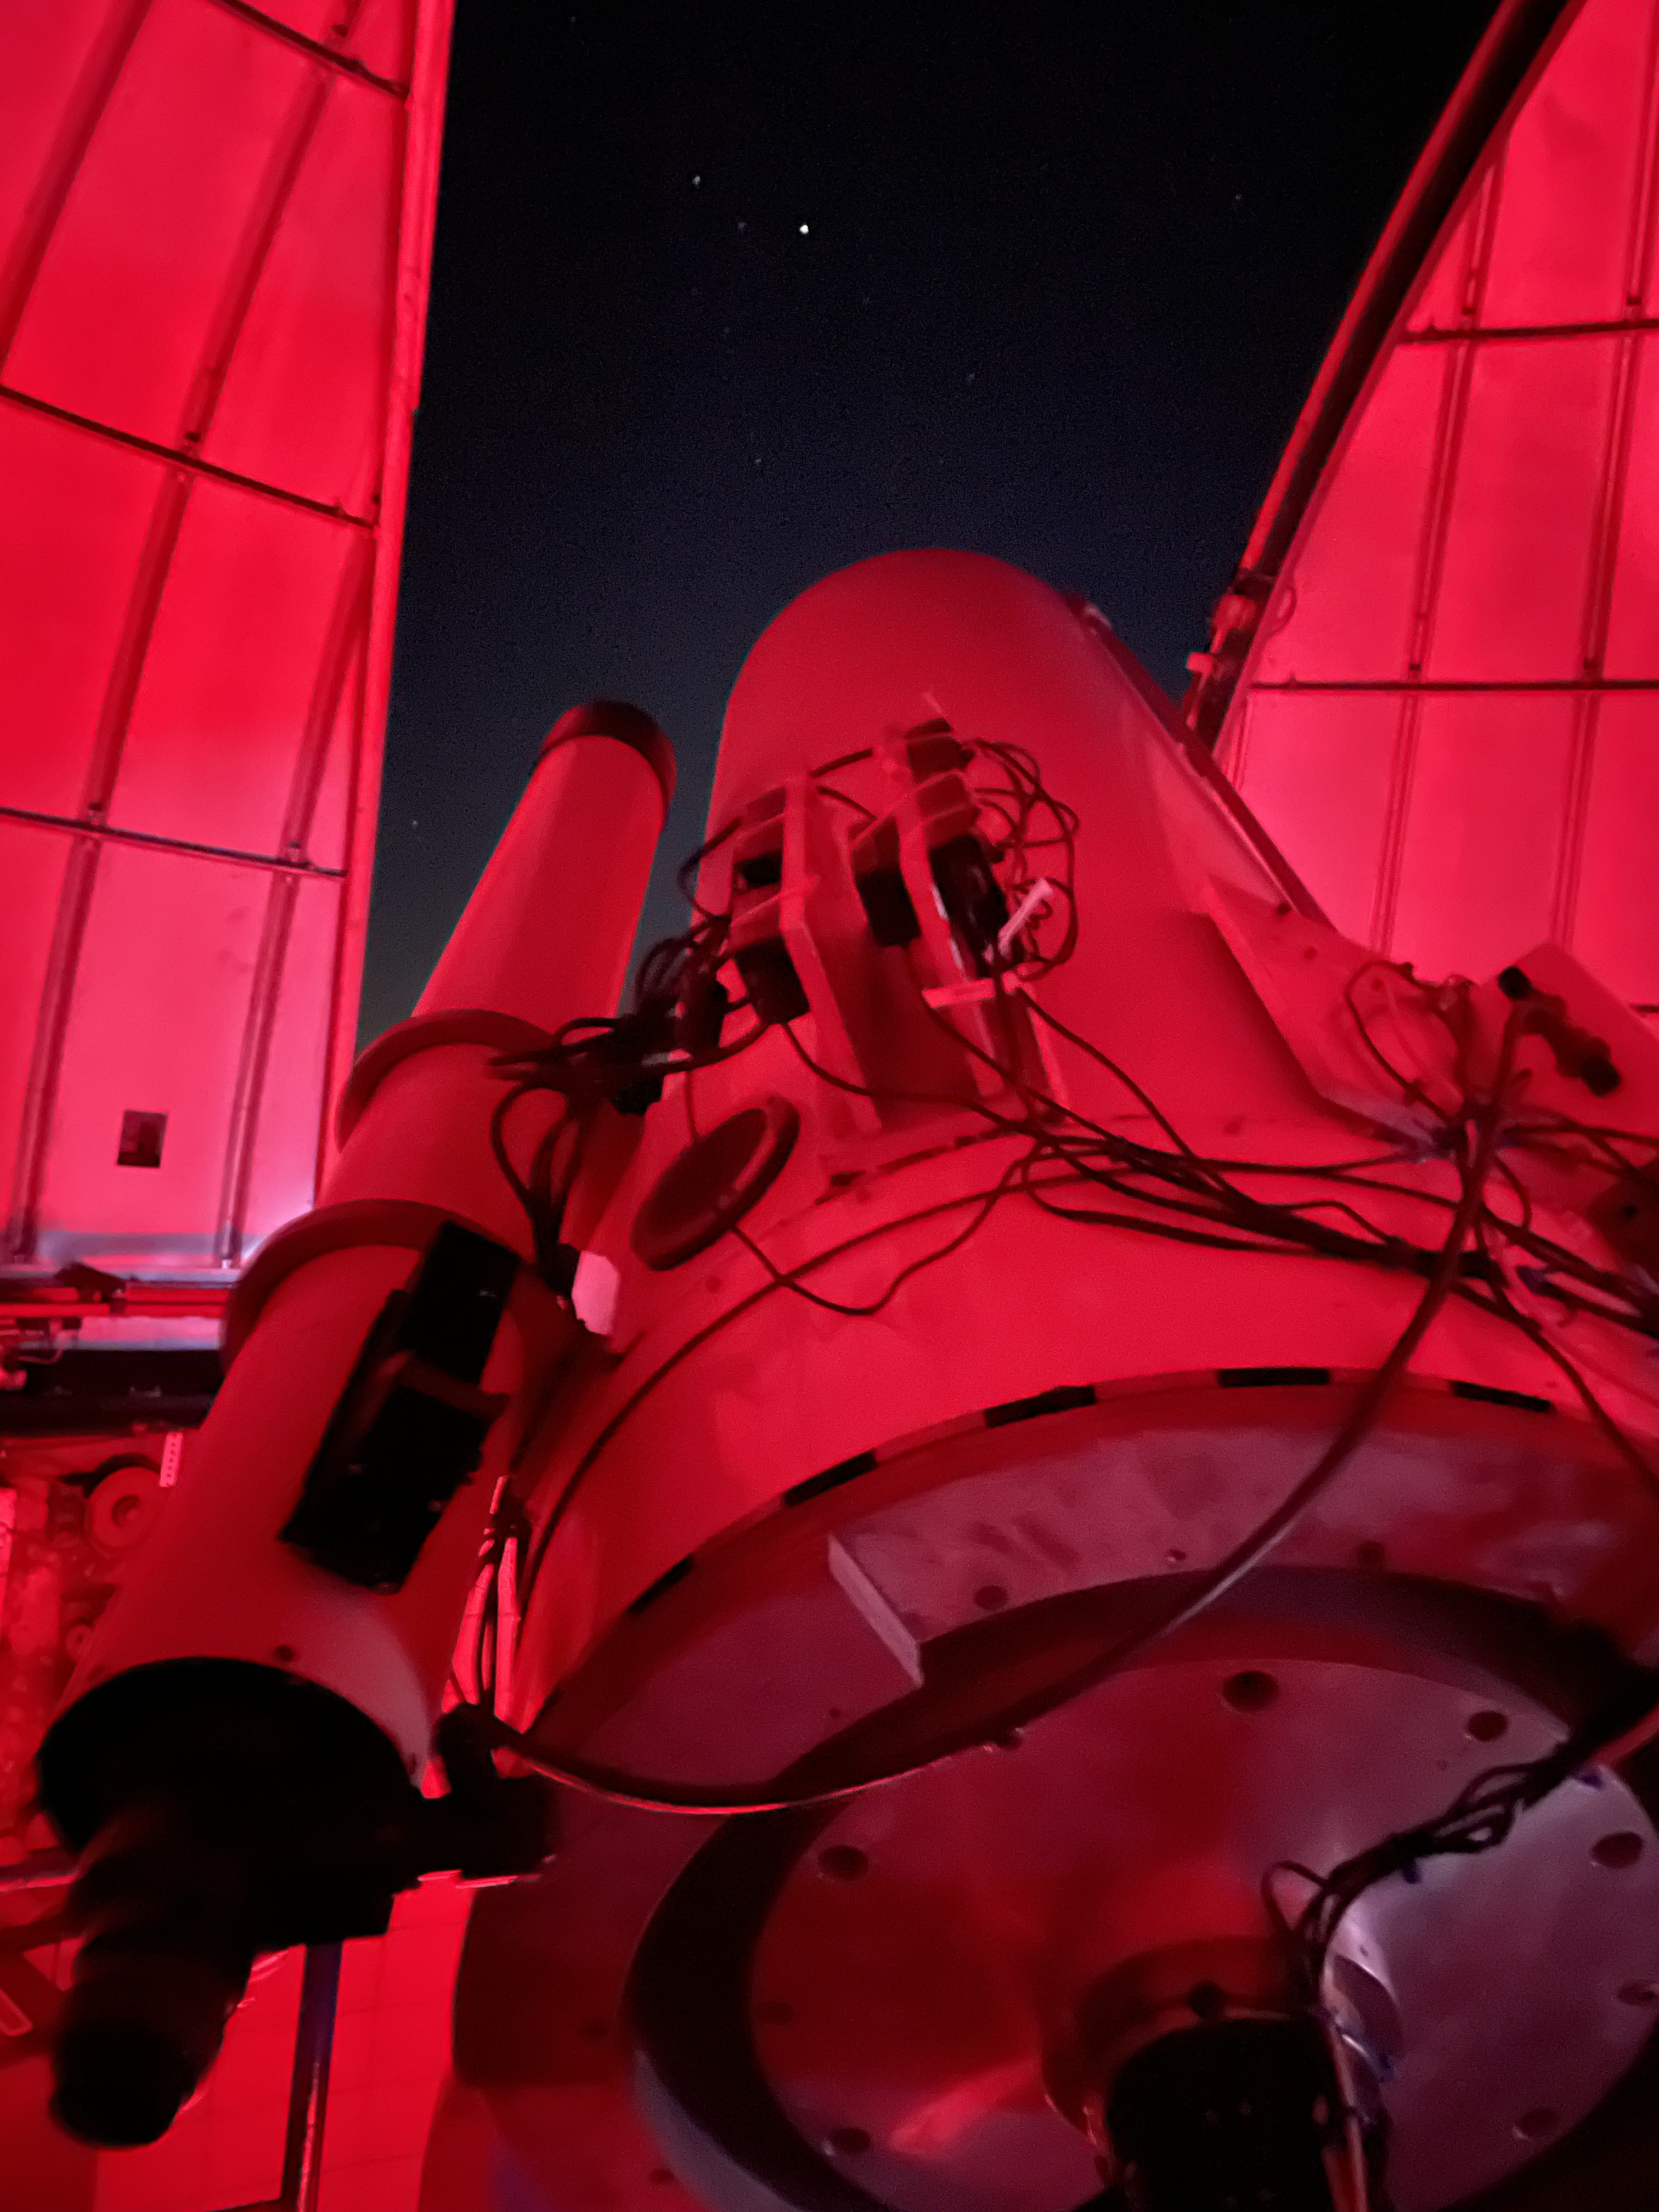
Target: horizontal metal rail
180, 456
347, 65
78, 825
1525, 333
1453, 686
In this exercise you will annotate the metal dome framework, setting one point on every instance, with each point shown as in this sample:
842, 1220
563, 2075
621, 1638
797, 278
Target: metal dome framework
217, 224
1432, 680
1434, 677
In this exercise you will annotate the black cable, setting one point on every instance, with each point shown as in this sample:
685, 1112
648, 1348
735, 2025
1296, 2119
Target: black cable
659, 1794
1479, 1819
844, 798
591, 1058
1186, 1170
788, 1279
681, 1352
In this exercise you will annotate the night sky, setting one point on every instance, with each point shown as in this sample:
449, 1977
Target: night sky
723, 300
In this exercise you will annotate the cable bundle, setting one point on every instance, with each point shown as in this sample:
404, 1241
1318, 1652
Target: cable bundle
1170, 1190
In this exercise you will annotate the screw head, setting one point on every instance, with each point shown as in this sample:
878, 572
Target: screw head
843, 1862
1250, 1691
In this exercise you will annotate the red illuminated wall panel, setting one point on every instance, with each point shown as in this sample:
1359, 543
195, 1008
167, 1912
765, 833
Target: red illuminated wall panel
1436, 679
214, 228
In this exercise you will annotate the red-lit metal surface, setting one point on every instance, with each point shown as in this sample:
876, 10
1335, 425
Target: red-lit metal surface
1437, 676
763, 1523
844, 1471
201, 204
912, 1981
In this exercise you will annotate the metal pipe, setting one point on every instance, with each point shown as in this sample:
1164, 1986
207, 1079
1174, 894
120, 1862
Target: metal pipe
1527, 333
181, 457
152, 840
307, 2091
308, 2095
331, 57
1435, 687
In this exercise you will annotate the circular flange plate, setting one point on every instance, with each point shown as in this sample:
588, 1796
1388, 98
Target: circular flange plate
922, 1956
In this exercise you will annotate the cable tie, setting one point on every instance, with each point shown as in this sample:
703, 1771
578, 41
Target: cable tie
1037, 904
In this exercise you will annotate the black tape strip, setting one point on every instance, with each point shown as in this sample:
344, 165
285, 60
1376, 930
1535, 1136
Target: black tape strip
846, 1470
664, 1583
1488, 1394
1061, 1400
1264, 1378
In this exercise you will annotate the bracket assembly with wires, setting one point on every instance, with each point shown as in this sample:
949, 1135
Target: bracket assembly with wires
993, 924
